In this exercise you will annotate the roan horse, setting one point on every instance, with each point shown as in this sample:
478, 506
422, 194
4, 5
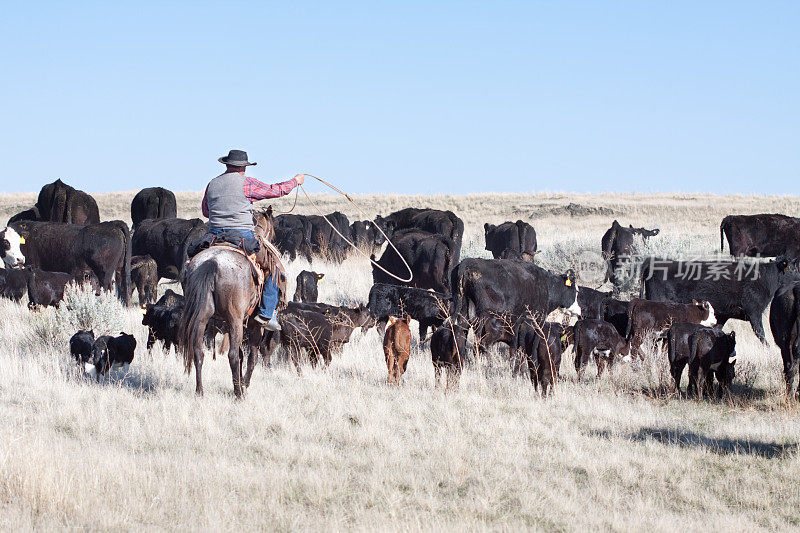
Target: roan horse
220, 283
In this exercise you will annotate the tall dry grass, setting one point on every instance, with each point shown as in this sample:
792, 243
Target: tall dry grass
339, 449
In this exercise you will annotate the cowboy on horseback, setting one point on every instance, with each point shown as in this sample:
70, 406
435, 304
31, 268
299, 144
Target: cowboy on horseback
226, 203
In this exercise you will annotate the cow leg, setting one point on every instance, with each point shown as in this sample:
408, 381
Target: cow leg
437, 375
700, 383
600, 361
151, 339
790, 375
581, 358
234, 359
677, 370
390, 364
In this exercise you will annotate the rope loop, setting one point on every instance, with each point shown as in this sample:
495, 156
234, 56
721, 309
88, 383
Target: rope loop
359, 250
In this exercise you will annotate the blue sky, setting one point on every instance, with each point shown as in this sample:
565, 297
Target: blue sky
411, 97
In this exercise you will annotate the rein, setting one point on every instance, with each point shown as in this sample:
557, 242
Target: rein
359, 250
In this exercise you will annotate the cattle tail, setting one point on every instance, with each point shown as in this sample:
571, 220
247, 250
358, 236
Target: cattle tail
124, 281
199, 308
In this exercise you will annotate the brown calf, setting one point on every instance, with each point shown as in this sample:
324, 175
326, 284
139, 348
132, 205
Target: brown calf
397, 347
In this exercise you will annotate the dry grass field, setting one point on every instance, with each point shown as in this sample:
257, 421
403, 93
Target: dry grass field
337, 448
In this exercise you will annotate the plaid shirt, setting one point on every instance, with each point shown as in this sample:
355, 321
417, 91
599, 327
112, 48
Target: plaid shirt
255, 190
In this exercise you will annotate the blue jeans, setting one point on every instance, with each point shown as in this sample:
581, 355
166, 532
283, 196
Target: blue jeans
269, 298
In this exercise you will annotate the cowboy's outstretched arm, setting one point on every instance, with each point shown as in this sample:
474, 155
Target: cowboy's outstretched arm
256, 190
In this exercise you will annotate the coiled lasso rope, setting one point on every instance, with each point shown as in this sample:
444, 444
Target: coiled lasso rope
359, 250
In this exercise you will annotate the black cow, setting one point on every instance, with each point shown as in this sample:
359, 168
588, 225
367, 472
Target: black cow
678, 348
80, 346
307, 286
109, 352
172, 299
448, 351
47, 288
599, 338
766, 235
494, 287
163, 320
428, 308
357, 317
319, 334
431, 220
784, 321
324, 241
312, 235
58, 202
517, 236
712, 353
14, 283
430, 256
737, 290
291, 233
615, 312
163, 323
617, 246
168, 241
656, 317
591, 302
144, 276
543, 354
153, 202
366, 235
104, 249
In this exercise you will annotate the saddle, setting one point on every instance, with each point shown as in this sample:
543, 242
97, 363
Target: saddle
264, 259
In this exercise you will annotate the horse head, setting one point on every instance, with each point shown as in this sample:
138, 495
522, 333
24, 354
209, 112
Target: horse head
264, 223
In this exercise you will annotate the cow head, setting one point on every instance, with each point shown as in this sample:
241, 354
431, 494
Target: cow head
726, 372
386, 225
711, 319
645, 233
570, 290
10, 248
362, 318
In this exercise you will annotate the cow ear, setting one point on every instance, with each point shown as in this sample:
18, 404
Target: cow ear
486, 226
320, 276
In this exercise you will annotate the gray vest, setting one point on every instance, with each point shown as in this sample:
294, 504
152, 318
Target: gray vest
228, 207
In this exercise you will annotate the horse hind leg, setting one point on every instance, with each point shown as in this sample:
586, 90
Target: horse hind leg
235, 359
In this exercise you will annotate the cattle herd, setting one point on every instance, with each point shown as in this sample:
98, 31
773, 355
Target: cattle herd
506, 299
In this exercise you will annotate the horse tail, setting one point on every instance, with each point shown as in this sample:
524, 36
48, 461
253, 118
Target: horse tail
199, 299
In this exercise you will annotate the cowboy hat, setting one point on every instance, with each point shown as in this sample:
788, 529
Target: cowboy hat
236, 158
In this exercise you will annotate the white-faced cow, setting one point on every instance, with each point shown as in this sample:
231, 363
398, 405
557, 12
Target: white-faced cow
617, 246
10, 249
